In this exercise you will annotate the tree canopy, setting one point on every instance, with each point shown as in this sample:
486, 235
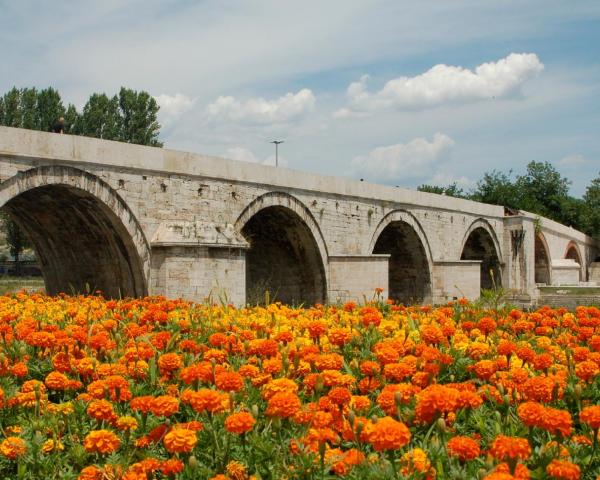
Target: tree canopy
541, 190
130, 116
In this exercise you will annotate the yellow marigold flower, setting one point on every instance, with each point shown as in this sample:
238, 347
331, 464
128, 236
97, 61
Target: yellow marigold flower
51, 445
126, 423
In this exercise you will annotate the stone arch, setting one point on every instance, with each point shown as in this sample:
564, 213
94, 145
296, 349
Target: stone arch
481, 243
574, 253
542, 262
287, 254
84, 234
400, 235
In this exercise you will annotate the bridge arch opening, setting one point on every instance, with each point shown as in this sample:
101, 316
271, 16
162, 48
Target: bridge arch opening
480, 246
573, 254
542, 261
283, 259
409, 276
80, 241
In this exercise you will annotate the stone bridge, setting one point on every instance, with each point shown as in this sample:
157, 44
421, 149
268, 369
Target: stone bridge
132, 220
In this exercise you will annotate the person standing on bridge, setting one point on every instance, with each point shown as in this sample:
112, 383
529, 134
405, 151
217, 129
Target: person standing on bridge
59, 126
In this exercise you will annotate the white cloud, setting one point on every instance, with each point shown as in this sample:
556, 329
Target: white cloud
260, 110
445, 84
172, 106
573, 160
245, 155
403, 160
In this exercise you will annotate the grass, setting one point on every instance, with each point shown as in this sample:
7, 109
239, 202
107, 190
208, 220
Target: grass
14, 284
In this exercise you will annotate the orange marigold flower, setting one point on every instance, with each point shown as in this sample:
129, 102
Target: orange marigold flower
180, 440
13, 447
557, 421
206, 400
277, 386
165, 406
56, 381
510, 448
239, 423
143, 403
229, 381
283, 404
436, 400
484, 369
387, 434
171, 467
101, 410
563, 470
591, 416
236, 470
169, 362
340, 396
465, 448
531, 413
587, 370
101, 441
90, 473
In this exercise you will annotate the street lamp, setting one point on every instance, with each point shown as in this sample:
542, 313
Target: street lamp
277, 142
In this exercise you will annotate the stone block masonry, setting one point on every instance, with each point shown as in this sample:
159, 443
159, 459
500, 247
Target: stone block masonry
134, 220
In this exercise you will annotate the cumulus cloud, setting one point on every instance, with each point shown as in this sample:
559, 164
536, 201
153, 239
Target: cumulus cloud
445, 84
172, 106
260, 110
403, 160
245, 155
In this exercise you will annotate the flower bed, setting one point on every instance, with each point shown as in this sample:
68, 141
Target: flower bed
154, 388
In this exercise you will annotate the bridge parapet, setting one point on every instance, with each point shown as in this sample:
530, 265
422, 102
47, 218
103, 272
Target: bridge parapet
220, 227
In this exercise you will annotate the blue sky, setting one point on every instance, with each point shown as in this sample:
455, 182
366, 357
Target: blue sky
394, 92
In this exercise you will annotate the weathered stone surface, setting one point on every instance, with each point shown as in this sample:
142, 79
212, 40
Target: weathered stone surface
134, 220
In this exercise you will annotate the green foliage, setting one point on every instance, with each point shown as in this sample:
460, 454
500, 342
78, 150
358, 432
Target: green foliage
16, 239
452, 190
542, 190
130, 116
591, 201
139, 118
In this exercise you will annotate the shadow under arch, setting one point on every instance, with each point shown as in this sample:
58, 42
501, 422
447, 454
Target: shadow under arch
542, 265
287, 254
481, 243
84, 234
574, 253
400, 235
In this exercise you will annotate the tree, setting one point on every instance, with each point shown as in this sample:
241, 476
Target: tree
101, 118
28, 105
497, 188
12, 108
139, 113
16, 239
542, 190
49, 108
591, 200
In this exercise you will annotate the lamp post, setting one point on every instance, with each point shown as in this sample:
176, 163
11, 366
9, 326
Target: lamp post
277, 142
